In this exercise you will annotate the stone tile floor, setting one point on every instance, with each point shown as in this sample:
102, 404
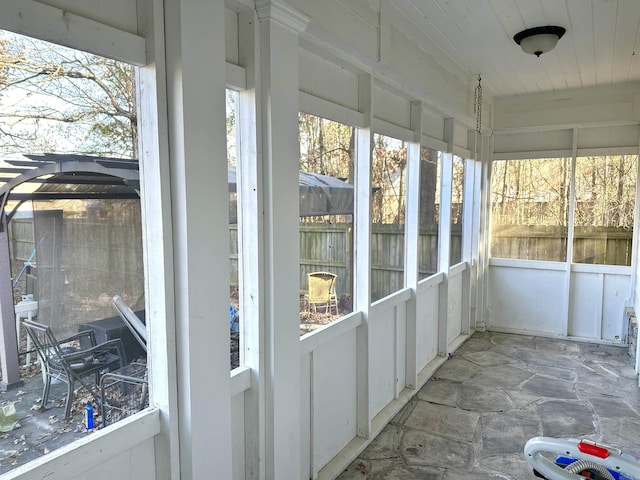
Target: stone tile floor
473, 417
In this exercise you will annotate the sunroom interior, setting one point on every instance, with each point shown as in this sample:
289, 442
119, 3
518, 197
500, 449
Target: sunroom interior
536, 214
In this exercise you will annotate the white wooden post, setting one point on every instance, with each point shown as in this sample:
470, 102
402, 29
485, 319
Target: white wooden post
570, 233
8, 341
484, 244
195, 64
155, 181
469, 236
362, 254
251, 260
277, 166
412, 235
444, 239
477, 230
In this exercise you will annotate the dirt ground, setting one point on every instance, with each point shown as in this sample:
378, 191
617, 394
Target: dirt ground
309, 321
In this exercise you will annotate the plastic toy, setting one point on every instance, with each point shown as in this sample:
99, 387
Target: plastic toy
579, 459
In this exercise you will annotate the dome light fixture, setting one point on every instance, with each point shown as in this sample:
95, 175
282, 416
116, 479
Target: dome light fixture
539, 40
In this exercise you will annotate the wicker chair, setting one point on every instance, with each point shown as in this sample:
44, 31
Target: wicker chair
322, 291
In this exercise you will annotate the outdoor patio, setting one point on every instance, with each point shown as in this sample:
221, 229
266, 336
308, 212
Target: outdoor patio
39, 431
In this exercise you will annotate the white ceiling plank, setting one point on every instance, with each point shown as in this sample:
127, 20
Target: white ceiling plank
627, 29
471, 37
604, 32
512, 22
581, 28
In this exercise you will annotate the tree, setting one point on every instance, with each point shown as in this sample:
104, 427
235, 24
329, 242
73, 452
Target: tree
428, 186
57, 99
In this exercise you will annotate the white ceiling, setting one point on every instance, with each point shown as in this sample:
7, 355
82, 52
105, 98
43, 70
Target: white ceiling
598, 49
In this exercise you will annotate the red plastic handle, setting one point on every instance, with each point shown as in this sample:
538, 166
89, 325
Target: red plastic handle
593, 450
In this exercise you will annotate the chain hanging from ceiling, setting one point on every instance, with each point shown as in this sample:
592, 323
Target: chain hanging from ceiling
477, 105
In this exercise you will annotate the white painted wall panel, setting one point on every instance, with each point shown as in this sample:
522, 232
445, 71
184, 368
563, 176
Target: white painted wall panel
585, 316
326, 80
231, 36
526, 299
354, 22
237, 436
305, 416
532, 142
382, 334
333, 397
454, 323
427, 325
613, 105
125, 450
391, 107
137, 463
120, 14
602, 137
422, 72
616, 294
401, 347
432, 124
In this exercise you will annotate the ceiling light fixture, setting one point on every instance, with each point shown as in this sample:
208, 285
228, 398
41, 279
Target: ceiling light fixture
539, 40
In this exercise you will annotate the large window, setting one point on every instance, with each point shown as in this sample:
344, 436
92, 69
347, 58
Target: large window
530, 208
429, 211
326, 220
78, 243
234, 284
457, 204
604, 209
388, 179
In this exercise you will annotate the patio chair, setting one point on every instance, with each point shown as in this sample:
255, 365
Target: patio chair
62, 360
322, 291
125, 391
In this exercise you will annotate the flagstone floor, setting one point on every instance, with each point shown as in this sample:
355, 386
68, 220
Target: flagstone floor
473, 417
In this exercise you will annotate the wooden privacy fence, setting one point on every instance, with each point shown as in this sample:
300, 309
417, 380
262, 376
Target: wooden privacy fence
328, 247
592, 245
92, 261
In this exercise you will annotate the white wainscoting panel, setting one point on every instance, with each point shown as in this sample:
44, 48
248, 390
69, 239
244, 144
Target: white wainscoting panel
427, 305
525, 299
454, 324
333, 397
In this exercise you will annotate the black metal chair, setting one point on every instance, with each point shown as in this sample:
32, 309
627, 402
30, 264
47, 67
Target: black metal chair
63, 360
126, 390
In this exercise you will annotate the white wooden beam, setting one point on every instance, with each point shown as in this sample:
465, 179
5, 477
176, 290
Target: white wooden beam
330, 110
52, 24
236, 76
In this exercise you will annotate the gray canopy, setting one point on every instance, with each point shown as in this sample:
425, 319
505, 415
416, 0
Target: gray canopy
319, 195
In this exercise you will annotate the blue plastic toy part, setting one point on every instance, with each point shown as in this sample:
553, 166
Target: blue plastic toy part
234, 325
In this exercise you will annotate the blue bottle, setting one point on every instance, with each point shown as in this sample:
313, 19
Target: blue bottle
88, 417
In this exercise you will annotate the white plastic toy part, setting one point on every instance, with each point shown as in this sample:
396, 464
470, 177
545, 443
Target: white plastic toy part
612, 459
